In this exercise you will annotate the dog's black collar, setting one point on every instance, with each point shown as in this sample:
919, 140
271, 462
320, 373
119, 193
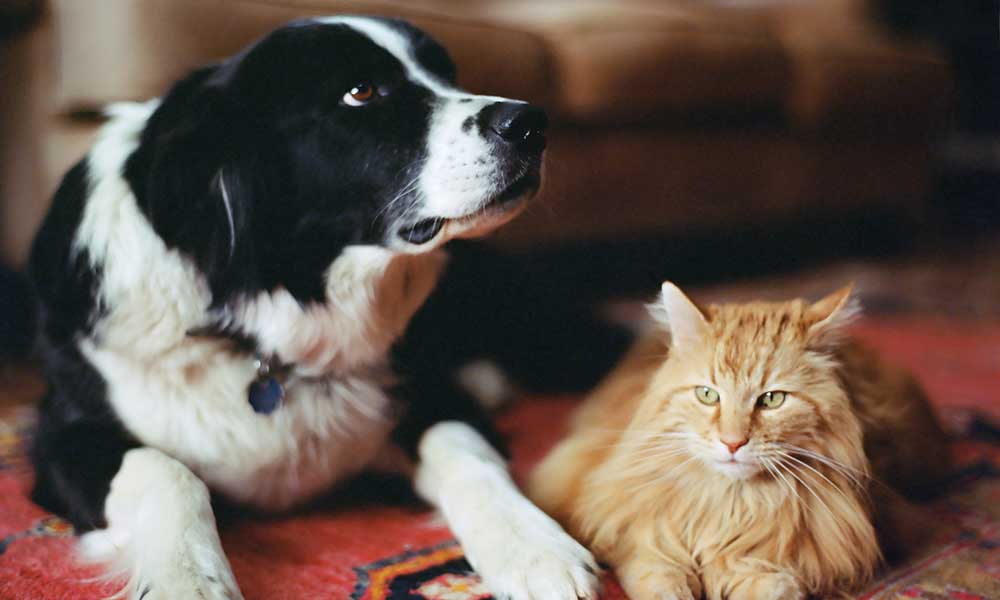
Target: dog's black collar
266, 392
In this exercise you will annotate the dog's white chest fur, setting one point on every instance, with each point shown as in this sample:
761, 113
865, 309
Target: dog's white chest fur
326, 429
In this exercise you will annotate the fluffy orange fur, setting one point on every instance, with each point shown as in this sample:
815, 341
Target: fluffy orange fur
734, 499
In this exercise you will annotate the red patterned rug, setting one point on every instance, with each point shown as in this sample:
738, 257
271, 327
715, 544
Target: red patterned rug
371, 542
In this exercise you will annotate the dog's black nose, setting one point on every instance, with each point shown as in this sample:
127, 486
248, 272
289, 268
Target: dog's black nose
517, 123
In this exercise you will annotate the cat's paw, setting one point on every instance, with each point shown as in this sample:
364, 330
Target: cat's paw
768, 586
662, 589
656, 583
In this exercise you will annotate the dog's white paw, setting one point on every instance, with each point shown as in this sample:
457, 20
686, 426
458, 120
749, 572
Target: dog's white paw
161, 540
196, 569
196, 588
519, 551
172, 585
528, 556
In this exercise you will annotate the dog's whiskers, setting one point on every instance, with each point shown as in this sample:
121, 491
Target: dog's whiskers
400, 196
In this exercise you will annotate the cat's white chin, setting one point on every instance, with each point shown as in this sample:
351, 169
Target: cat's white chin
734, 469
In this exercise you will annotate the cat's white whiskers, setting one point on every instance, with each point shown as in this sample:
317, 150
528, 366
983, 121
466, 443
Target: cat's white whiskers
824, 477
774, 470
843, 470
836, 488
773, 466
851, 473
822, 457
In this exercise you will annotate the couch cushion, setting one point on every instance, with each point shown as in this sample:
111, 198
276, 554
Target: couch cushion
116, 50
628, 60
854, 76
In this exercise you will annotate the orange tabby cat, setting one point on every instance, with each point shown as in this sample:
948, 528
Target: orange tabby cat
735, 466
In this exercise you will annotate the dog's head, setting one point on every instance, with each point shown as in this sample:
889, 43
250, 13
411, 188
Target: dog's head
329, 133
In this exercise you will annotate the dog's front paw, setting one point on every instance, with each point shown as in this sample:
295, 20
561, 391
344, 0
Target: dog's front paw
170, 585
528, 556
204, 587
196, 569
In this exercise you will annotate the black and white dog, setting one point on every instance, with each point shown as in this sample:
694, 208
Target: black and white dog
223, 281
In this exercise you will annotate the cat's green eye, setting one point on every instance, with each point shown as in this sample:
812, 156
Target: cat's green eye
771, 399
706, 395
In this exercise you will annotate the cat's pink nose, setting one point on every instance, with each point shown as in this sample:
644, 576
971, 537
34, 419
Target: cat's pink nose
734, 446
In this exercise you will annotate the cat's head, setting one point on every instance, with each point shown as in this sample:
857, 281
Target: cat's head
748, 387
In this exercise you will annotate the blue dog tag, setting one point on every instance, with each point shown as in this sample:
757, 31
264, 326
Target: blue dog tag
266, 395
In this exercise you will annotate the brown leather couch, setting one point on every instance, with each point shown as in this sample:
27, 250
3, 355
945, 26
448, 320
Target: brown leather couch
668, 115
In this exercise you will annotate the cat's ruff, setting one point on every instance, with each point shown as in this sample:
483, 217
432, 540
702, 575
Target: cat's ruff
294, 197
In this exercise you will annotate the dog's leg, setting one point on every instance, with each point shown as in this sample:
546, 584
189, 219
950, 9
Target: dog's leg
161, 533
520, 552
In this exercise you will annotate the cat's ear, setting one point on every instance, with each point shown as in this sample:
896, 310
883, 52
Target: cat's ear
678, 315
831, 315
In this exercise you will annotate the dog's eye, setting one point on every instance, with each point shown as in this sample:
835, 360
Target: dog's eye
359, 95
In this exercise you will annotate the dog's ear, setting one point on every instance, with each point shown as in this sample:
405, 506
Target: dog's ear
198, 178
